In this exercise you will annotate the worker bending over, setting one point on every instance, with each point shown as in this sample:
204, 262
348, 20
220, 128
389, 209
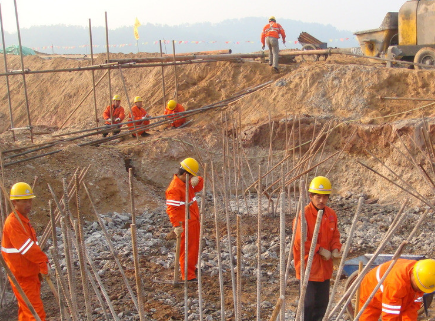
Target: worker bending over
22, 253
400, 296
270, 36
172, 108
328, 246
139, 113
114, 114
175, 207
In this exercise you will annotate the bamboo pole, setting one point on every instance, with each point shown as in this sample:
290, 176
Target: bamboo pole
358, 291
175, 71
93, 74
201, 235
108, 71
259, 228
163, 78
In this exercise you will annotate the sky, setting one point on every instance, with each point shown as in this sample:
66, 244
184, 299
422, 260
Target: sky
352, 15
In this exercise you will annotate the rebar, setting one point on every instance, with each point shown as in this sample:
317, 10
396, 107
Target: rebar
201, 235
282, 286
239, 269
259, 228
163, 78
137, 272
93, 73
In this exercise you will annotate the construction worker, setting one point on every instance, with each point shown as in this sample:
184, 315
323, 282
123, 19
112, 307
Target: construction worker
328, 246
400, 295
173, 108
175, 207
138, 113
22, 253
270, 36
114, 115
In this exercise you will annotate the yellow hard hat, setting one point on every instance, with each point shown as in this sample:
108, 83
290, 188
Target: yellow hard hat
272, 18
116, 97
320, 185
424, 275
172, 104
21, 191
137, 98
190, 165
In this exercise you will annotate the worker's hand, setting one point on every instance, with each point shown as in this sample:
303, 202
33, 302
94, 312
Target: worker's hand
324, 254
336, 254
118, 119
283, 41
108, 119
178, 230
145, 117
194, 181
262, 48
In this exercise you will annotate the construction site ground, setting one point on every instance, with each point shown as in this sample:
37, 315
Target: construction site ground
341, 93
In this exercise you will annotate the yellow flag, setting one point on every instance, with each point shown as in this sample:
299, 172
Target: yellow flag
136, 32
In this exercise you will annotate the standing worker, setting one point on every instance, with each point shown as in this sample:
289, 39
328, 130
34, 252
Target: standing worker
400, 295
138, 113
270, 35
114, 114
175, 207
328, 247
173, 108
22, 253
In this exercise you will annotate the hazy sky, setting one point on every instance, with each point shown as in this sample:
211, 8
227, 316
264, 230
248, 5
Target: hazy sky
350, 15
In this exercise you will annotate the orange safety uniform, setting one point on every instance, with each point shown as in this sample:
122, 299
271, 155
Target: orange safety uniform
178, 120
175, 207
395, 300
117, 112
138, 113
328, 238
26, 260
272, 29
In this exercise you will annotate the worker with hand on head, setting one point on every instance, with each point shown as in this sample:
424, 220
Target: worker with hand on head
172, 108
270, 36
114, 114
139, 113
175, 208
400, 295
328, 246
22, 253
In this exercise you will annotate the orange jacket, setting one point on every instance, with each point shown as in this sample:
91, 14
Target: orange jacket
117, 112
176, 200
329, 239
20, 248
272, 29
138, 113
395, 298
178, 109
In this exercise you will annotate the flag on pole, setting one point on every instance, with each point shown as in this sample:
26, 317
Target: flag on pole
136, 33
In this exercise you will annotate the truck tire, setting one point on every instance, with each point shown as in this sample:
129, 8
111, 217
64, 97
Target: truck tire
310, 57
425, 56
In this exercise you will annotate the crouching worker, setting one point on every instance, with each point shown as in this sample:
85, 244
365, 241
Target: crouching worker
400, 295
172, 109
327, 248
22, 253
114, 114
139, 113
175, 207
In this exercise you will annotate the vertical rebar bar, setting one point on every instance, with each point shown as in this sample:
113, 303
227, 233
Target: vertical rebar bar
259, 217
137, 272
201, 235
303, 228
186, 245
282, 246
175, 71
93, 74
163, 78
22, 71
108, 71
239, 269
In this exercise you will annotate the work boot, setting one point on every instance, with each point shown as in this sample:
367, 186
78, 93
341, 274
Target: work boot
144, 134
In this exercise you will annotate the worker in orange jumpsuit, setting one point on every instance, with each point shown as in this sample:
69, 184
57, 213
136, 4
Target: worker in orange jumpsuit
175, 207
139, 113
270, 36
173, 108
114, 114
400, 296
22, 253
328, 246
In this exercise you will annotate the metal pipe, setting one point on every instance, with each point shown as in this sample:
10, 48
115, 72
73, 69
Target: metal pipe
282, 286
201, 235
22, 70
137, 272
186, 245
107, 55
175, 71
239, 269
163, 78
259, 217
303, 228
93, 74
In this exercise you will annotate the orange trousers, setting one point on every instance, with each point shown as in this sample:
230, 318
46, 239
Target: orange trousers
32, 288
193, 249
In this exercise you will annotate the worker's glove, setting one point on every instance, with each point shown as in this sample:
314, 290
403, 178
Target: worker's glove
118, 119
144, 117
336, 254
194, 181
262, 48
178, 230
108, 119
325, 254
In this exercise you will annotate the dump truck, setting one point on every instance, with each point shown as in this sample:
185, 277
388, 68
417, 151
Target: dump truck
407, 35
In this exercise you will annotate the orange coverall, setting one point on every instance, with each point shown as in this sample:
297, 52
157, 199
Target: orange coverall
272, 29
26, 260
175, 207
117, 112
178, 109
395, 300
329, 239
138, 113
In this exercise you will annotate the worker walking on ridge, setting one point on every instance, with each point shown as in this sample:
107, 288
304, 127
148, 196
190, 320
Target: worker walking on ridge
270, 36
22, 253
400, 295
138, 113
114, 114
327, 248
172, 108
175, 207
